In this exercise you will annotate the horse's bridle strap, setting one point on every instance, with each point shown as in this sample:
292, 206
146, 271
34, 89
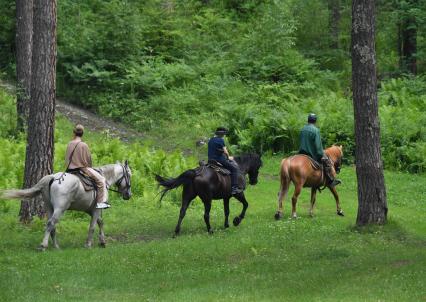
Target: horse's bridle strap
125, 177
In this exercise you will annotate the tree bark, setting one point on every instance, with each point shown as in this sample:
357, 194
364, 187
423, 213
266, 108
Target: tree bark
41, 121
23, 40
409, 45
372, 204
334, 9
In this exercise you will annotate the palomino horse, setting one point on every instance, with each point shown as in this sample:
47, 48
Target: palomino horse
64, 191
209, 184
299, 170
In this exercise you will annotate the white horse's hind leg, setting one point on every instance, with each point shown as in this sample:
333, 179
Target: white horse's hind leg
49, 227
95, 215
53, 236
53, 230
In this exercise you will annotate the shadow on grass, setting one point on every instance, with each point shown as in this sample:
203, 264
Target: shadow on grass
392, 230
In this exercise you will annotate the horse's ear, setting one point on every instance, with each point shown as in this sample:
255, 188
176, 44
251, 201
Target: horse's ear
340, 147
117, 162
126, 162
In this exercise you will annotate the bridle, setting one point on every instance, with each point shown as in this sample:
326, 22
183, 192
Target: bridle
336, 163
126, 177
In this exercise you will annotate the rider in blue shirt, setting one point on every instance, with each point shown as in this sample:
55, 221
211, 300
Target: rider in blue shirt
217, 151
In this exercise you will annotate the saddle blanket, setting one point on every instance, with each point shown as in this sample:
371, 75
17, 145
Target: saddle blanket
215, 166
88, 183
315, 165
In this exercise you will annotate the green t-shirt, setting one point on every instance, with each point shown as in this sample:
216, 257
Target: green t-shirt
310, 142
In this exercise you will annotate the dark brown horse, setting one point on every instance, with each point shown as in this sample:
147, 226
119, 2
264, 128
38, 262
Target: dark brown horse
299, 170
209, 184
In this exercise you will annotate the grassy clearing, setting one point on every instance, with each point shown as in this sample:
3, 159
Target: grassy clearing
308, 259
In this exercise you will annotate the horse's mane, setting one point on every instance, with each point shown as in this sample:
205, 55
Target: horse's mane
107, 170
248, 158
335, 151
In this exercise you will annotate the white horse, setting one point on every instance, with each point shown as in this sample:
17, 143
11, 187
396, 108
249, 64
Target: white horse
64, 191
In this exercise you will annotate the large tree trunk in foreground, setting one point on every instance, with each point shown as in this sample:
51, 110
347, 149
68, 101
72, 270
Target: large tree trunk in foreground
24, 30
41, 121
372, 205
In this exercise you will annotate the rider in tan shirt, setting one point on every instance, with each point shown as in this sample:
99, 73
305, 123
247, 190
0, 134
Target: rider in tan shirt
78, 157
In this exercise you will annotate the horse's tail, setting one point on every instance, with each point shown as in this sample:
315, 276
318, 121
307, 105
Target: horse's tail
172, 183
285, 176
27, 193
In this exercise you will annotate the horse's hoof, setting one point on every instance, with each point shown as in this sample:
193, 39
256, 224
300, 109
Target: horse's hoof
340, 213
88, 246
236, 221
57, 247
294, 216
102, 244
278, 215
41, 248
226, 225
211, 231
175, 235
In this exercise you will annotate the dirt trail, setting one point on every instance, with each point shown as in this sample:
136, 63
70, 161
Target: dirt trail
93, 122
90, 120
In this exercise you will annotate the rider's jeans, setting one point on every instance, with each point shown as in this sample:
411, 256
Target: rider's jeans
231, 167
102, 193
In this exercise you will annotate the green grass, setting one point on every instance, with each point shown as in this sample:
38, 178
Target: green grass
324, 258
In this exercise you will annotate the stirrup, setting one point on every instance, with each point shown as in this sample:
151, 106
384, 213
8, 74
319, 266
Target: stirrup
102, 205
236, 190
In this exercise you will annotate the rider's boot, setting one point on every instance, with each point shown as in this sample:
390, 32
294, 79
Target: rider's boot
103, 205
335, 182
236, 190
332, 182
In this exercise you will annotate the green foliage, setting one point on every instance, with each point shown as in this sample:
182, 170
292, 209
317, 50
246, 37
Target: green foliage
7, 36
403, 117
258, 67
8, 114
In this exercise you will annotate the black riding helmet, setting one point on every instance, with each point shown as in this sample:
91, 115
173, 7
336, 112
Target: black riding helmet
221, 131
312, 118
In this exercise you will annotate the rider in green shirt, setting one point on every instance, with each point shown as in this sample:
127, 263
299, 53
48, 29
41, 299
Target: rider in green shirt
311, 145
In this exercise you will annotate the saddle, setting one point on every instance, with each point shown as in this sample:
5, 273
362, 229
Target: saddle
314, 164
88, 183
215, 166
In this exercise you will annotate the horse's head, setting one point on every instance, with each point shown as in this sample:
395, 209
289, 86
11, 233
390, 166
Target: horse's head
123, 183
335, 153
250, 164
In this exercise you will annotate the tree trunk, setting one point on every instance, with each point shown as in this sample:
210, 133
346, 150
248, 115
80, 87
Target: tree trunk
334, 8
41, 121
24, 30
372, 205
409, 45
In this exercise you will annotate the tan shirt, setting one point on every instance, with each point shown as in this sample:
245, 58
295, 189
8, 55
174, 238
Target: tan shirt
81, 157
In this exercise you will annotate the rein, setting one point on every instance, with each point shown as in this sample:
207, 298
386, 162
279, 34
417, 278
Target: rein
125, 176
322, 171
